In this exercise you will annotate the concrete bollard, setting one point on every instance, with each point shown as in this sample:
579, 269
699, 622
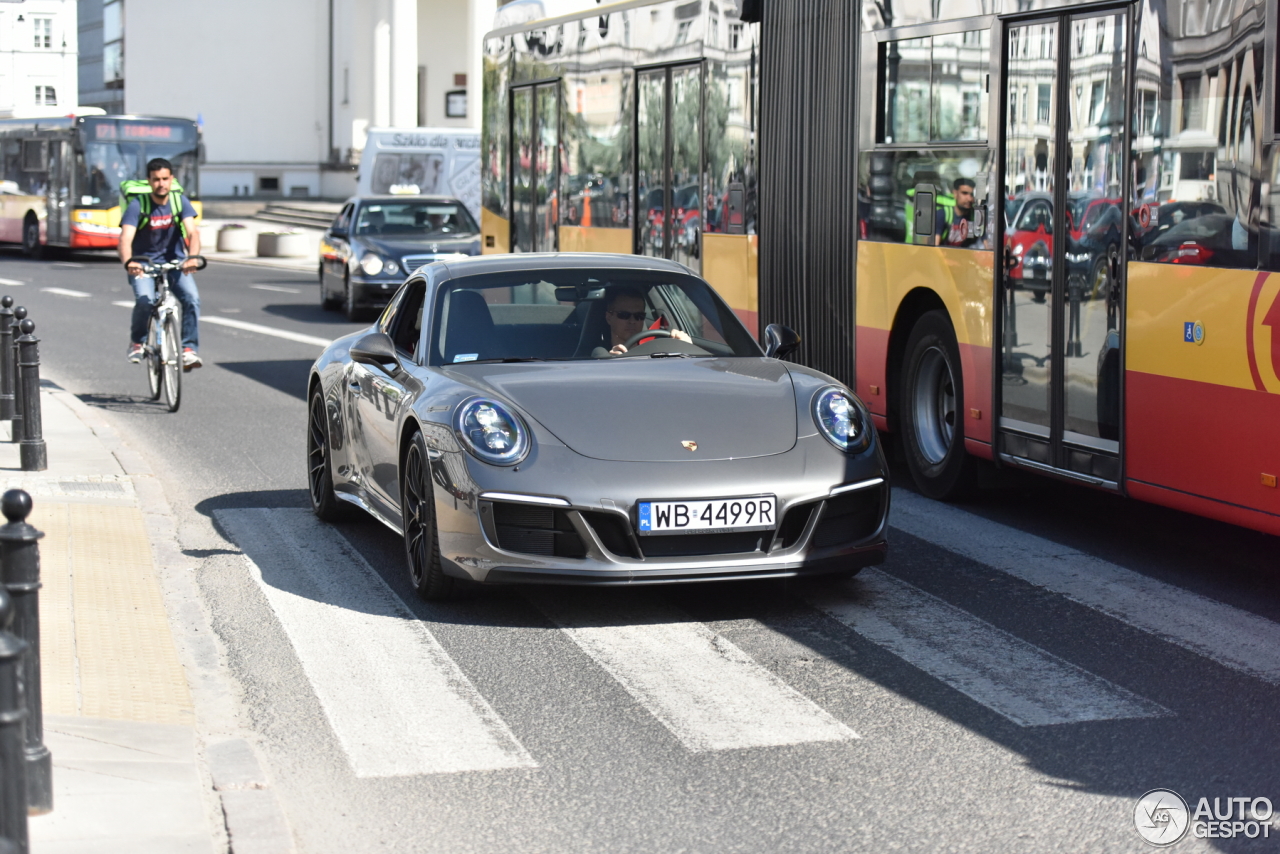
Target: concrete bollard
32, 450
15, 432
20, 576
7, 372
13, 718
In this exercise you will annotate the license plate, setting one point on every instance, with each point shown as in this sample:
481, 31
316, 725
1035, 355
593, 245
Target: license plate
714, 516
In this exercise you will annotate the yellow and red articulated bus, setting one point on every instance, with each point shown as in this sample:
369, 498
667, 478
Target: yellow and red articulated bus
1044, 234
1070, 260
62, 174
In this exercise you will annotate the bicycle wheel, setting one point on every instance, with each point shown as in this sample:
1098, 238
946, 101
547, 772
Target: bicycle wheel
151, 356
171, 351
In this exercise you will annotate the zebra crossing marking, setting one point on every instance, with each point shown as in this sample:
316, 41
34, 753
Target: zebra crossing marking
395, 700
1233, 638
1008, 675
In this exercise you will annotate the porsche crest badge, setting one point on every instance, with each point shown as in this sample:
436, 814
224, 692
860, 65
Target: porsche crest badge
689, 446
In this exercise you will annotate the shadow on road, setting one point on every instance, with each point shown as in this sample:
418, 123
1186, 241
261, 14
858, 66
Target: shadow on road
286, 375
135, 404
304, 313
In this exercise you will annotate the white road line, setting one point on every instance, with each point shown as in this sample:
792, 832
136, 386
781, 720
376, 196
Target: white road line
63, 292
1013, 678
707, 692
1229, 636
395, 700
274, 288
253, 327
12, 283
265, 330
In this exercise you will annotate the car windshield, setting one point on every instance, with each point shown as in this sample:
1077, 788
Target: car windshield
576, 314
414, 219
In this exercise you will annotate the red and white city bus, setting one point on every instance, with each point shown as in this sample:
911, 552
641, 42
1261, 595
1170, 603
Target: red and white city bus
61, 175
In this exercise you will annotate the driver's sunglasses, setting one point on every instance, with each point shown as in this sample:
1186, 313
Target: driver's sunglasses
628, 315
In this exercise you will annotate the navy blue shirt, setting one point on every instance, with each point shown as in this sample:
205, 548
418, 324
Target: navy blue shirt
162, 239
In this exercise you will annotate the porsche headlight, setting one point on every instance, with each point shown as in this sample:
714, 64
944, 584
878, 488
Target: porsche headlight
840, 419
371, 264
492, 432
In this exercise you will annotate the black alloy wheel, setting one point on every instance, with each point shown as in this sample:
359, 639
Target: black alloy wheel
931, 411
31, 238
418, 509
324, 501
349, 300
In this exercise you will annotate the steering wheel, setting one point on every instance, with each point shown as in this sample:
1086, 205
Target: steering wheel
647, 333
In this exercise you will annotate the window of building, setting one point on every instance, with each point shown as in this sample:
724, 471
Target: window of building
735, 35
46, 96
1044, 98
1097, 100
113, 44
1102, 34
682, 31
1192, 107
44, 32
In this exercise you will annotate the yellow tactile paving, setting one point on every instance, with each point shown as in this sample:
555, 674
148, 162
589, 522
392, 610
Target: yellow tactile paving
57, 626
107, 645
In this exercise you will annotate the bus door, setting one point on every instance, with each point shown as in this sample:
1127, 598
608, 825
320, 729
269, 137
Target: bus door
1064, 234
535, 123
58, 193
668, 219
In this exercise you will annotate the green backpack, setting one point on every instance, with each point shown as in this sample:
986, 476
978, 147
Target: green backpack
141, 190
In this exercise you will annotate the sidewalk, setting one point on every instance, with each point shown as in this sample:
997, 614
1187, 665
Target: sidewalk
129, 770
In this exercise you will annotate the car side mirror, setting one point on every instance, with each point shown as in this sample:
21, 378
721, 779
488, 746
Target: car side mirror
780, 341
377, 348
338, 232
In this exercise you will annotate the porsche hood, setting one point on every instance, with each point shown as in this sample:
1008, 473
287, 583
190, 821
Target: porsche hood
653, 410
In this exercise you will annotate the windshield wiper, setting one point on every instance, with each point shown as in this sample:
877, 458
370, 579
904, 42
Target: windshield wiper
670, 356
511, 359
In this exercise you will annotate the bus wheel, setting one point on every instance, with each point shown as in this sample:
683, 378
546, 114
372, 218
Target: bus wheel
932, 404
31, 237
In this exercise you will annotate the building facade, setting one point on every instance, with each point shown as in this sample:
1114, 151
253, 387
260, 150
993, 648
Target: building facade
286, 91
38, 56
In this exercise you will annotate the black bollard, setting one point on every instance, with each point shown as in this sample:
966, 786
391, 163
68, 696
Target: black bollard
6, 358
20, 576
32, 452
13, 718
15, 430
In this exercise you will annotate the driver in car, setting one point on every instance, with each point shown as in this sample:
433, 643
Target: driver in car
625, 314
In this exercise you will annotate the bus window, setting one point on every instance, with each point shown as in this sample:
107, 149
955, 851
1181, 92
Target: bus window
1198, 170
935, 88
889, 179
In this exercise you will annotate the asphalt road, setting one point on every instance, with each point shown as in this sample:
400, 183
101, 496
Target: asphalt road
1022, 669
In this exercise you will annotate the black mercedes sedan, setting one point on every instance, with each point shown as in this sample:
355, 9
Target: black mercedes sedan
590, 419
376, 241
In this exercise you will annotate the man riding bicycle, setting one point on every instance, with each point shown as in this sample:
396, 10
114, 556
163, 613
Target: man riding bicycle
161, 234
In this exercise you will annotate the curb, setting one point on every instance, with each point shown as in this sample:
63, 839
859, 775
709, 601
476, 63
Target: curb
244, 812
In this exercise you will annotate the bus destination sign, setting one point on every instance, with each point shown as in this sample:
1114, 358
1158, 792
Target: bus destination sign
139, 131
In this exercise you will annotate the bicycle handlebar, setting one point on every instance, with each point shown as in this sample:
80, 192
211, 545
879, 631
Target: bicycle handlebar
150, 268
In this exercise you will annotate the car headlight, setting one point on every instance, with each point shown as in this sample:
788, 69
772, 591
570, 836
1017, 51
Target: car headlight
371, 264
492, 432
840, 419
391, 268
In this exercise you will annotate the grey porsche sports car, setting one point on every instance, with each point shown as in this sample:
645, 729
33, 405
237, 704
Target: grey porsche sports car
590, 419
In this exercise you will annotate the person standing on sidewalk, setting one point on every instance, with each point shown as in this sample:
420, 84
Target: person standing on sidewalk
162, 233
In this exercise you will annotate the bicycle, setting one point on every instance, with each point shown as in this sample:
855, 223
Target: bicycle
162, 349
